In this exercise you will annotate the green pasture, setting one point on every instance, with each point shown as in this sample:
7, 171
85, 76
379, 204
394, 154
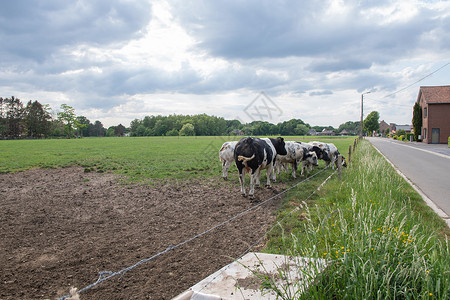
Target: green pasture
138, 158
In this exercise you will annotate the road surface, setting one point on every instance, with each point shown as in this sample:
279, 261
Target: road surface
426, 166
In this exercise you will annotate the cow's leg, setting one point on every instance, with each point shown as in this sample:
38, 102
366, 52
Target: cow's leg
294, 169
242, 181
304, 166
253, 177
225, 167
268, 173
272, 175
257, 176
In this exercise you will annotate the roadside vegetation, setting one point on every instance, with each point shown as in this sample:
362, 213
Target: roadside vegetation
377, 236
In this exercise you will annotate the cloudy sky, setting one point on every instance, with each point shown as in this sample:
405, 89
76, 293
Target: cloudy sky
118, 60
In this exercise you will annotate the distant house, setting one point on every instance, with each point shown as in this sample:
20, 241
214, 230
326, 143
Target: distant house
406, 128
312, 132
383, 127
327, 132
435, 103
236, 132
345, 132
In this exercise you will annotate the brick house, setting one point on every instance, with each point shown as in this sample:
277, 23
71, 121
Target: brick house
435, 103
383, 127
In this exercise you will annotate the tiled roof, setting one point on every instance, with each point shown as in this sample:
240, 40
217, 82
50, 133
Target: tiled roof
435, 94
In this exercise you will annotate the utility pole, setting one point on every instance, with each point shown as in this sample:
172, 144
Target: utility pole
361, 124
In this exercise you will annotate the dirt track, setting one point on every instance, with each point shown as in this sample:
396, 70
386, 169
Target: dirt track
60, 227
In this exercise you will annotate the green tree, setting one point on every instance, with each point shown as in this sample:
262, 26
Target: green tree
82, 126
37, 119
97, 129
371, 122
67, 117
111, 131
172, 132
351, 126
119, 130
187, 130
12, 111
417, 120
301, 129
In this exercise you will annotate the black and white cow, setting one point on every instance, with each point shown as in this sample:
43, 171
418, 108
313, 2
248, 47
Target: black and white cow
226, 156
252, 155
325, 151
296, 154
330, 153
334, 153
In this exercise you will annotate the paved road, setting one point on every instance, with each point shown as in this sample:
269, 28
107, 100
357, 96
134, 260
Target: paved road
427, 166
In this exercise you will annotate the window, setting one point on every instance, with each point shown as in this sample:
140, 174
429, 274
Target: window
425, 112
424, 134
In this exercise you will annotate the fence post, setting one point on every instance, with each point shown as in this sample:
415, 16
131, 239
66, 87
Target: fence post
339, 161
349, 153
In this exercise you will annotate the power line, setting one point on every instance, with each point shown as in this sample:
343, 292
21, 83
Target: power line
416, 81
402, 89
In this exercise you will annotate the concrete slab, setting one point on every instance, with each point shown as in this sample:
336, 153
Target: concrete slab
239, 279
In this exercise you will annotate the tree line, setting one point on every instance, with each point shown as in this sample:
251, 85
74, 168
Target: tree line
34, 120
205, 125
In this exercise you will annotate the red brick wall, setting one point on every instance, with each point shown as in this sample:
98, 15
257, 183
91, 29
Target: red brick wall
438, 117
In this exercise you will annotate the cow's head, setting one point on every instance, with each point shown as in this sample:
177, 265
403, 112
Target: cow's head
344, 163
312, 158
281, 146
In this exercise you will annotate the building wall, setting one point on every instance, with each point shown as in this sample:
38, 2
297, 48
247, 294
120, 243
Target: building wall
438, 117
424, 132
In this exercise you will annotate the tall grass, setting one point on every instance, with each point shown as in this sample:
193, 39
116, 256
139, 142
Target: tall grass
379, 239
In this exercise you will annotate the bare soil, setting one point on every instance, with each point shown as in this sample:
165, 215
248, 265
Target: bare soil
60, 227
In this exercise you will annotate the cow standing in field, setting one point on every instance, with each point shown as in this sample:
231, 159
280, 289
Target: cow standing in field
296, 153
334, 153
226, 156
252, 155
324, 150
331, 152
321, 154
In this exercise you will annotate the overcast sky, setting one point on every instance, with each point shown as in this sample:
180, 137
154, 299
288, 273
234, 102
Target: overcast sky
116, 61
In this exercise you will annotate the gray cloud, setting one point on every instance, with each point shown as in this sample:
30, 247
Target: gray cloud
249, 29
296, 48
34, 30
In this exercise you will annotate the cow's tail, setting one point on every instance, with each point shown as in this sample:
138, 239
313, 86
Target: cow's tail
245, 159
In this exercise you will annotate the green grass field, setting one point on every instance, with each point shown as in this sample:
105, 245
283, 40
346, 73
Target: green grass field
137, 158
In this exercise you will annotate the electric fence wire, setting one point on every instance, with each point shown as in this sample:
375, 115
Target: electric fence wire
273, 227
105, 275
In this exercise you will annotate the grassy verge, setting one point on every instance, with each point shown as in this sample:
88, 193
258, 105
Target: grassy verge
379, 238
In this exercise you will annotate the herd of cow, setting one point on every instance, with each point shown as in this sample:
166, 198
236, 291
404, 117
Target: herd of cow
252, 154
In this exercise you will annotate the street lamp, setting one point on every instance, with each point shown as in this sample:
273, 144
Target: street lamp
362, 105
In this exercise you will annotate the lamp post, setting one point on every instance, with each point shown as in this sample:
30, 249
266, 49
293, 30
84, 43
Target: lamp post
362, 105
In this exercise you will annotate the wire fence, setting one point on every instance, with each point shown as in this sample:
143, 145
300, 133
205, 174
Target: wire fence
105, 275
